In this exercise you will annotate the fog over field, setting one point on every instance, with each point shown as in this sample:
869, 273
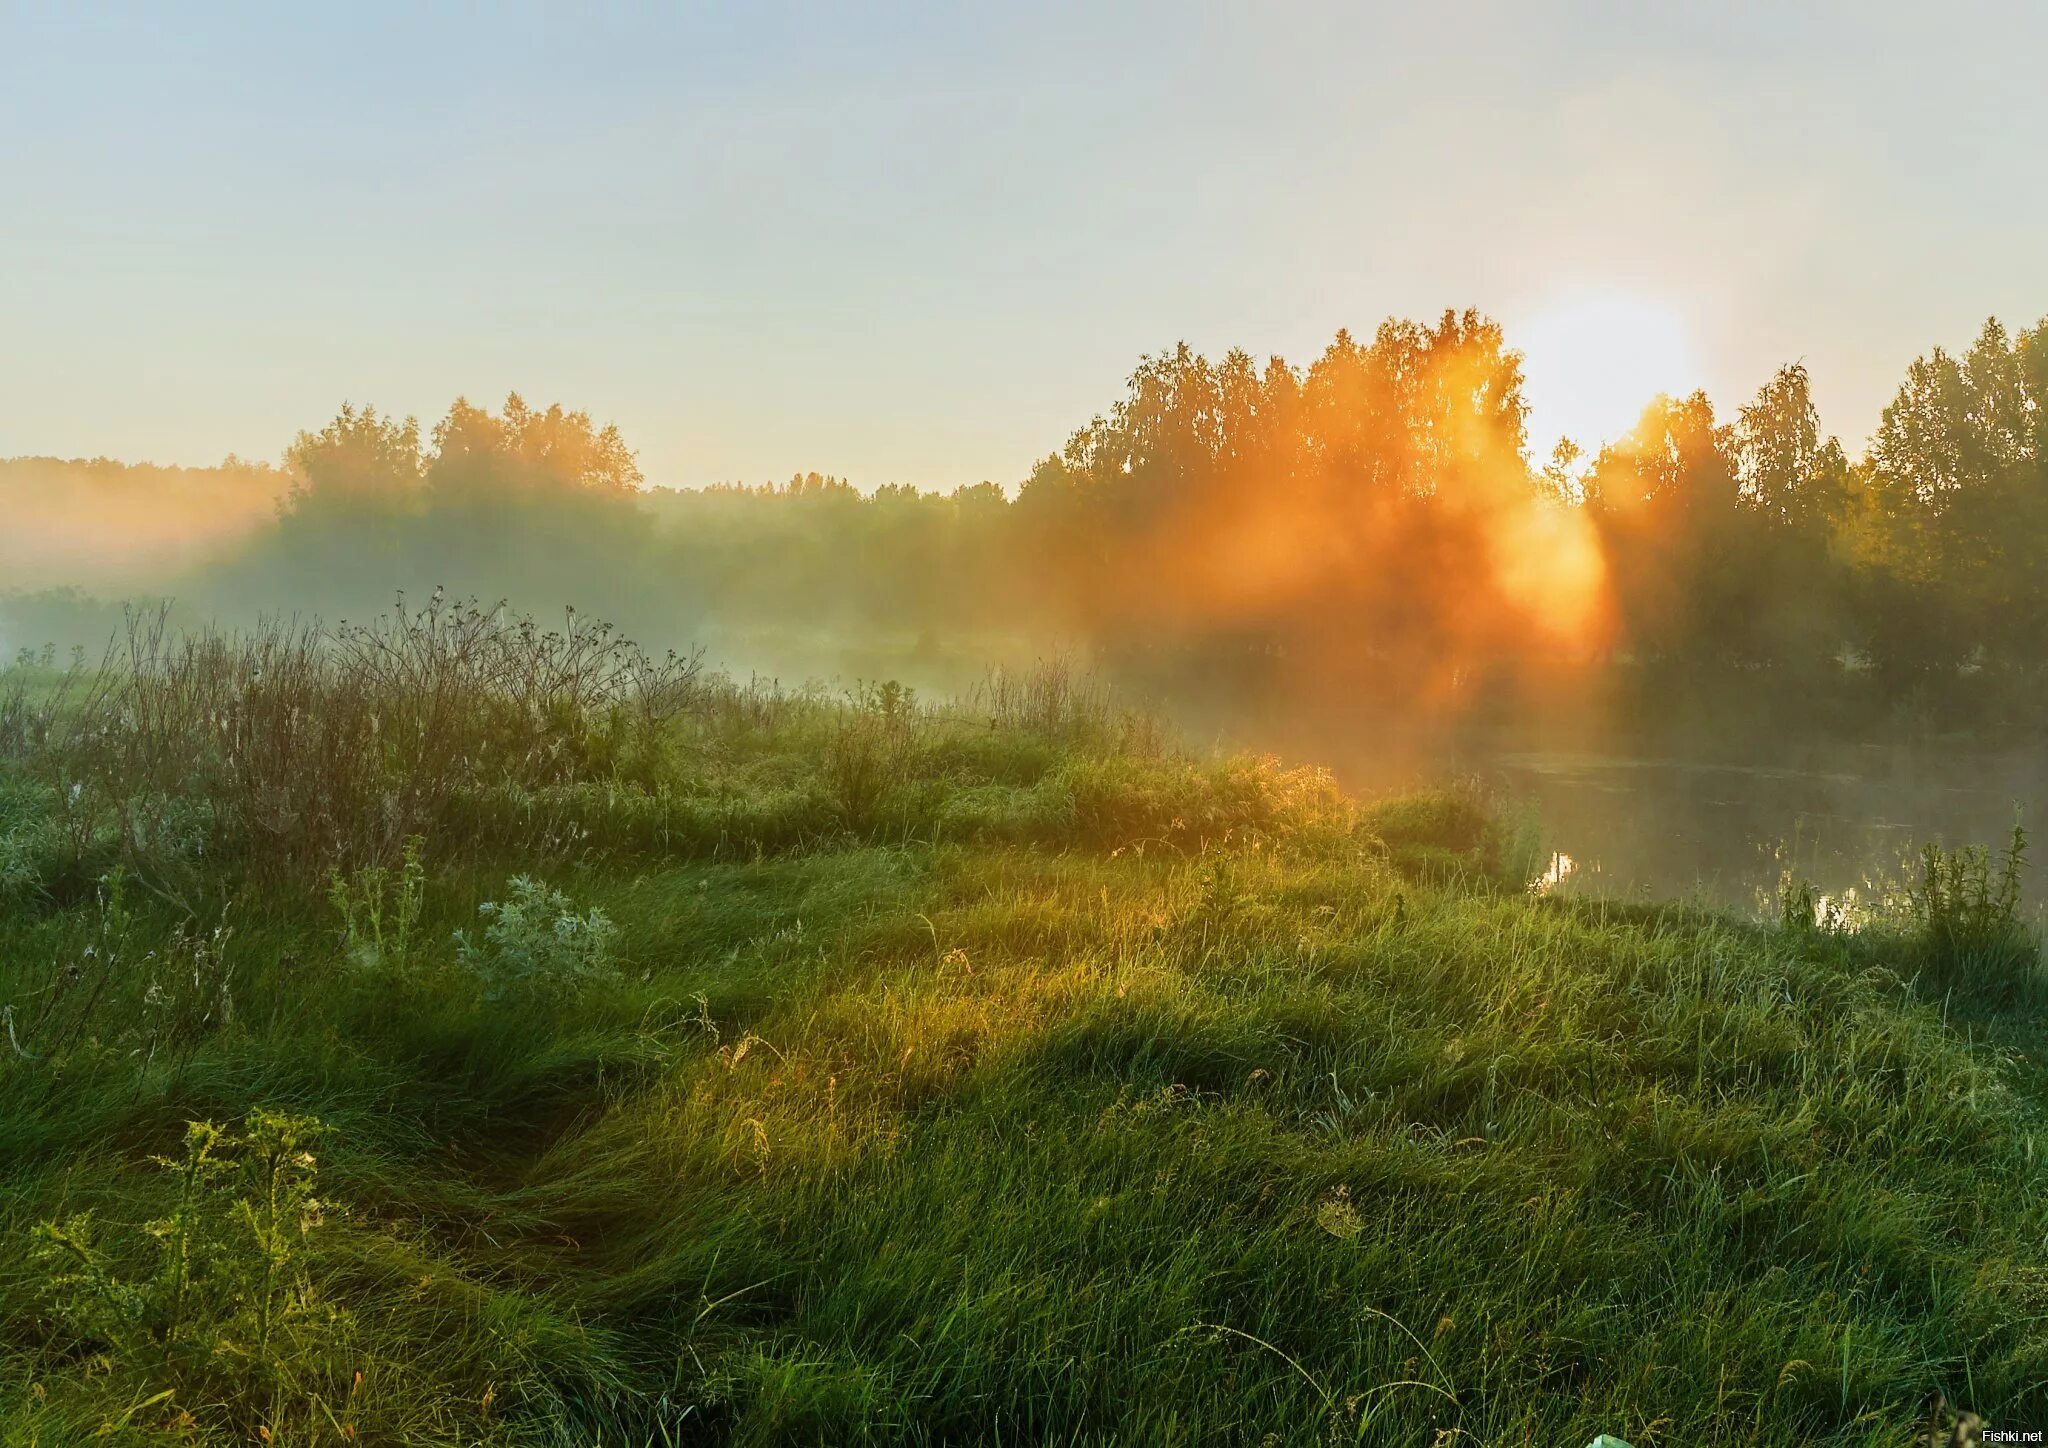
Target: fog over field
1108, 725
1357, 561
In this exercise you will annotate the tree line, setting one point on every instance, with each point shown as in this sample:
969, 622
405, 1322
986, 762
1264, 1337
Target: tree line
1369, 529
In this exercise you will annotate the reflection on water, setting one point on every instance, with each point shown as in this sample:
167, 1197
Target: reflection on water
1560, 869
1727, 833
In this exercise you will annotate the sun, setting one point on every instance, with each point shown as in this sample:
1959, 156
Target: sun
1593, 357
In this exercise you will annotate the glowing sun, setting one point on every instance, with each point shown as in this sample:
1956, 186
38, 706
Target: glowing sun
1593, 357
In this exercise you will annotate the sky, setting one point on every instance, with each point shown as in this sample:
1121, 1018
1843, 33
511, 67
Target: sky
921, 243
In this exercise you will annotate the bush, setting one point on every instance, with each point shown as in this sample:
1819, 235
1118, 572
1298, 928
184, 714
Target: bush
1131, 799
316, 748
536, 937
1448, 834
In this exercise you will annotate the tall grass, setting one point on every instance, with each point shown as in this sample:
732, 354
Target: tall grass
307, 748
297, 750
1968, 924
780, 1067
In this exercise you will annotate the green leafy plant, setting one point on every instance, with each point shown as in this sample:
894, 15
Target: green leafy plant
1966, 917
536, 935
215, 1300
380, 907
1803, 910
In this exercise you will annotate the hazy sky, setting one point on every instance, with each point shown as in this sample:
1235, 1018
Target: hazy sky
921, 243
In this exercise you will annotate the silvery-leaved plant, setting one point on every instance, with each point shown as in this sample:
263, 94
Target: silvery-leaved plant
536, 936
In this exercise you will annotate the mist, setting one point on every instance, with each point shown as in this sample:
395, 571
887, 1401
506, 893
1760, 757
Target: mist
103, 524
1356, 560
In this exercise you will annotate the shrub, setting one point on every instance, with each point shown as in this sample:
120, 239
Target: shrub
315, 748
1455, 833
1135, 798
536, 937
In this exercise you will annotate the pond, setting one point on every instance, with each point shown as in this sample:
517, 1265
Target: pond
1726, 832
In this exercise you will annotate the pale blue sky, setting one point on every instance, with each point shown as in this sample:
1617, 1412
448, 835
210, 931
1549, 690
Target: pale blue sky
920, 243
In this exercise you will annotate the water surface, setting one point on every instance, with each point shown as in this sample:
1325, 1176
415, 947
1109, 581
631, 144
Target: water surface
1725, 831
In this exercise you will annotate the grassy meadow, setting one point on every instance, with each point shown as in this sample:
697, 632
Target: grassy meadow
448, 1031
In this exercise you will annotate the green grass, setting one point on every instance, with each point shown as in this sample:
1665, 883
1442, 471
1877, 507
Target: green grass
1051, 1088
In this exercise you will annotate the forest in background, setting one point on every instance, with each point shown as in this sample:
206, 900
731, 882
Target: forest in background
1368, 534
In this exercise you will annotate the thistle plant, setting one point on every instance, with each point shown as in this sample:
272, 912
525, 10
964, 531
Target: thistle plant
380, 908
224, 1282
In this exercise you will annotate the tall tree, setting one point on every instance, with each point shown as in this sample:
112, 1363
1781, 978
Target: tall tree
1785, 468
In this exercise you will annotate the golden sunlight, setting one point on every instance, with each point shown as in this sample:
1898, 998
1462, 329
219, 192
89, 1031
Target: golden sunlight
1548, 562
1594, 356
